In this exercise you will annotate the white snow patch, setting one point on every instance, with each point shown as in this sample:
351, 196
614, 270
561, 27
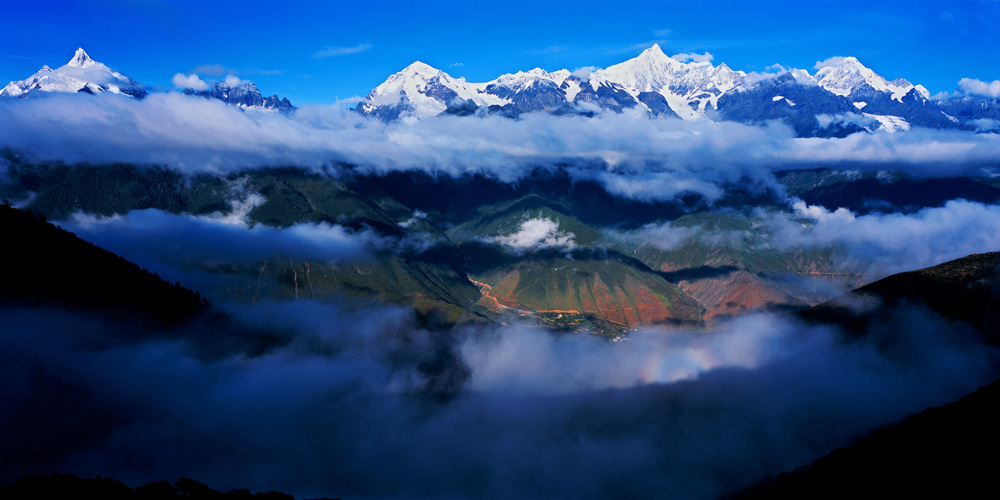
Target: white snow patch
890, 123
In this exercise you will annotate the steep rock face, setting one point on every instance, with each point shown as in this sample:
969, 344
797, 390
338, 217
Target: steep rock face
245, 95
786, 99
606, 95
537, 94
967, 109
657, 104
80, 74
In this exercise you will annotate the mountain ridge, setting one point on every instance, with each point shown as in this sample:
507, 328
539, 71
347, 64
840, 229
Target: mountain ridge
82, 74
843, 96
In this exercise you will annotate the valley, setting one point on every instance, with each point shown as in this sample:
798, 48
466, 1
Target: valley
475, 256
564, 252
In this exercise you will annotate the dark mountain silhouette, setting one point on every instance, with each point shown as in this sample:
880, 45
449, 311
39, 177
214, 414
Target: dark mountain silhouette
49, 267
966, 290
946, 452
58, 485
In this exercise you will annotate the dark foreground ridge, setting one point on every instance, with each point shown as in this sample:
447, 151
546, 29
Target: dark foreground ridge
943, 452
58, 485
49, 267
946, 452
965, 290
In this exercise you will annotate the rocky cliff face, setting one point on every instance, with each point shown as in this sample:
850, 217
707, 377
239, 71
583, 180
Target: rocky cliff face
244, 95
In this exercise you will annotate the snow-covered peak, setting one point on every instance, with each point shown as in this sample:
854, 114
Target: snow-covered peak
650, 71
81, 59
803, 77
560, 76
844, 75
242, 93
424, 91
524, 79
653, 53
80, 74
420, 69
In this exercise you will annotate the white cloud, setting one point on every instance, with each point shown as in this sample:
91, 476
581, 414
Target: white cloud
986, 125
884, 244
821, 214
536, 234
630, 155
233, 81
980, 88
662, 33
341, 51
666, 236
584, 72
690, 56
182, 81
833, 61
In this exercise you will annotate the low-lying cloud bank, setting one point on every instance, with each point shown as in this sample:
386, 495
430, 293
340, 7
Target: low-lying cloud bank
362, 404
537, 233
634, 156
145, 235
183, 247
875, 244
885, 244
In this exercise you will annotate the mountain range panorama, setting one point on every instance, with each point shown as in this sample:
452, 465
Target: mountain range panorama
84, 75
841, 98
372, 315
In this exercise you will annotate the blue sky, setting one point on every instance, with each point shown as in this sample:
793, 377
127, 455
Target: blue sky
319, 52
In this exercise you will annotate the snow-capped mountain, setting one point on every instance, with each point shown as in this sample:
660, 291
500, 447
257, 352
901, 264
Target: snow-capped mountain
689, 88
422, 90
652, 81
847, 75
80, 74
843, 97
244, 94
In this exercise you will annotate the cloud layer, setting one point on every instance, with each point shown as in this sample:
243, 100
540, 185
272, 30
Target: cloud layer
326, 52
633, 156
362, 404
883, 244
876, 244
976, 87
